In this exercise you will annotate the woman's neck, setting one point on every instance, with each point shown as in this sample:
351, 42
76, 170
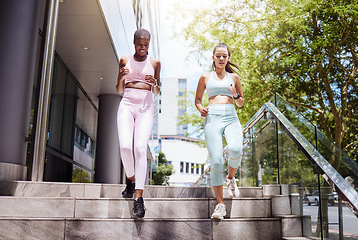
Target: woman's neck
139, 58
220, 73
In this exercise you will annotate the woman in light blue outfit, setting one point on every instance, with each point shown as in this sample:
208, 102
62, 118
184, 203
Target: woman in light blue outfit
223, 87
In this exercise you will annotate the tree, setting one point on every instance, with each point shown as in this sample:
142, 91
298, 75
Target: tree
163, 171
79, 176
305, 50
192, 117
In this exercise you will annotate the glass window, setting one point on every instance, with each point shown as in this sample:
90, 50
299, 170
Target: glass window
71, 146
181, 87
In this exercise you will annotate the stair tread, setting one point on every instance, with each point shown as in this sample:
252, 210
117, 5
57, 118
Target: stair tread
296, 238
79, 210
108, 184
139, 229
142, 219
97, 190
131, 199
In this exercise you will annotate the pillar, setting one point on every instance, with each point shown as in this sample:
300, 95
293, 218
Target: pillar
19, 20
107, 166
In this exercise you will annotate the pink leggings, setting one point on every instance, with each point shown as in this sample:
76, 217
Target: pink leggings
134, 122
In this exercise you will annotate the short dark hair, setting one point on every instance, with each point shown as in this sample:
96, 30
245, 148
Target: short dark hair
141, 33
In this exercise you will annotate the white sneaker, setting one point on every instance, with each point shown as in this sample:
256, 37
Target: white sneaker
219, 211
232, 188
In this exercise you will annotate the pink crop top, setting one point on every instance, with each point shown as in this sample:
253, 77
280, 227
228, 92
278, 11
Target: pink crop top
138, 70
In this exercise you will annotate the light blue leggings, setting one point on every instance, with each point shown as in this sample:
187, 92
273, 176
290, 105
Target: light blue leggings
222, 120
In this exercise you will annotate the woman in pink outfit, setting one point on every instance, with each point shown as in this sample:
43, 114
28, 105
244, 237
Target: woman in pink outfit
139, 76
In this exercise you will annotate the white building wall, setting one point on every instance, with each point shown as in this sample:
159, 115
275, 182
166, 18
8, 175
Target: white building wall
121, 22
168, 107
178, 151
177, 148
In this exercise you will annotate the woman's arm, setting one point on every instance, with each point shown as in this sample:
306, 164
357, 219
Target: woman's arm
200, 93
122, 72
156, 86
154, 80
237, 90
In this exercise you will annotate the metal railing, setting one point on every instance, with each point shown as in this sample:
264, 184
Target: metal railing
282, 147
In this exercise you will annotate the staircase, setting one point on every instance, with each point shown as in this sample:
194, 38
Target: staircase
44, 210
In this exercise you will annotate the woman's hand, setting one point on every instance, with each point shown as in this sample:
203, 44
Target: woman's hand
204, 112
123, 71
120, 82
232, 90
151, 80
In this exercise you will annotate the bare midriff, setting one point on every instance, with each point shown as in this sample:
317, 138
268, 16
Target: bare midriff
139, 85
220, 99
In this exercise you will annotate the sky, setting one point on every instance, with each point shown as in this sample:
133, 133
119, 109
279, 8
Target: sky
175, 57
174, 51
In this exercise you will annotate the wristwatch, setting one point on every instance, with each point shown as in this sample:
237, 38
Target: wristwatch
238, 96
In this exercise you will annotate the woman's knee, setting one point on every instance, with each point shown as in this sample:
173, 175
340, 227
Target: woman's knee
218, 167
140, 151
125, 150
235, 151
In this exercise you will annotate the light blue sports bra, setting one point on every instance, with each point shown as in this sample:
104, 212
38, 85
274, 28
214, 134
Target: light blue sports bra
219, 87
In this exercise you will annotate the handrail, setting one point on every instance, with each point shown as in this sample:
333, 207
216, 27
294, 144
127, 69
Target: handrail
329, 144
329, 173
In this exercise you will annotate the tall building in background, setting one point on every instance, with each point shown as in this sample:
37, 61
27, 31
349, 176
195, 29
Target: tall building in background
184, 153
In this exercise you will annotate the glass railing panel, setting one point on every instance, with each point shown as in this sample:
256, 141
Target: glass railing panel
266, 154
332, 153
330, 212
295, 168
259, 163
305, 127
298, 172
246, 170
326, 192
337, 157
314, 155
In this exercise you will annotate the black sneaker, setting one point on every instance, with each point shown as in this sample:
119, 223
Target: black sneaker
129, 190
139, 209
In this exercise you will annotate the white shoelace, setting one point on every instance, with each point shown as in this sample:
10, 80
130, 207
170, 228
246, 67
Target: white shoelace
219, 207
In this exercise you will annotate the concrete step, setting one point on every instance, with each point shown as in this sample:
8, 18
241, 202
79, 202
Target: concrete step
295, 225
95, 190
111, 208
45, 210
297, 238
128, 229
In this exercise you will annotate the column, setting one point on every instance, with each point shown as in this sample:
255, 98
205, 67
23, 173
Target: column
19, 20
107, 166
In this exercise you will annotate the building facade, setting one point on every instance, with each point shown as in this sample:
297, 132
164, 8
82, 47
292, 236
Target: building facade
185, 154
58, 71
